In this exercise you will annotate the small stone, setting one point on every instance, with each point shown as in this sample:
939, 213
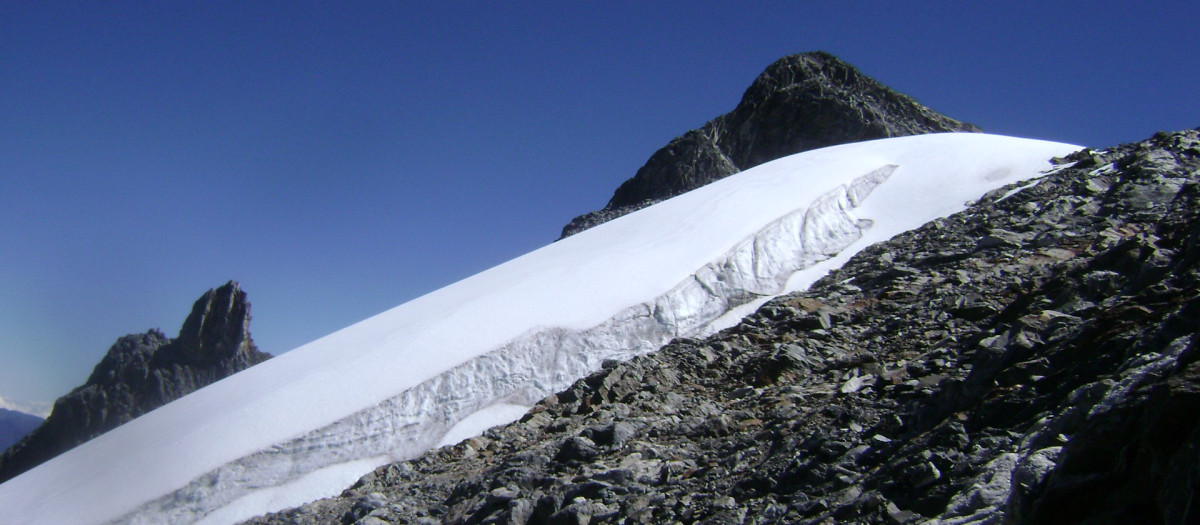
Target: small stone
922, 474
615, 434
855, 384
725, 502
577, 448
1096, 186
741, 392
900, 516
502, 495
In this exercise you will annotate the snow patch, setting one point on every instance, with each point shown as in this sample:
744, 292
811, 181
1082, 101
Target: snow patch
474, 424
307, 488
1018, 189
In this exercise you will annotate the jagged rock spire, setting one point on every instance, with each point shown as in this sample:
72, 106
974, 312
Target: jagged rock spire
141, 372
218, 327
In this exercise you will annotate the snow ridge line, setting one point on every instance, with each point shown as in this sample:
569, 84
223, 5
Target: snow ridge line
536, 365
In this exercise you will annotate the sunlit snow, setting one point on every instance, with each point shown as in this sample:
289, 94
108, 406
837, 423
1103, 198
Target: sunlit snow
397, 384
475, 424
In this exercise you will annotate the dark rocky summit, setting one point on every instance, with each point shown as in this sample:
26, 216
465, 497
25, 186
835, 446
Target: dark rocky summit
801, 102
15, 425
1033, 359
142, 372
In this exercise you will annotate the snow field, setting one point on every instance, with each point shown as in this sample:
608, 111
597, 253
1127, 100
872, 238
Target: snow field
394, 385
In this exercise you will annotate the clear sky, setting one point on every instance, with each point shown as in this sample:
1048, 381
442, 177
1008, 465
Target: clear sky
338, 159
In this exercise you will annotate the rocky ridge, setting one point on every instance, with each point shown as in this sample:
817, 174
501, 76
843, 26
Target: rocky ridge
800, 102
1033, 359
142, 372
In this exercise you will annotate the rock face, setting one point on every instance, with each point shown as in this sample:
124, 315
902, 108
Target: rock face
1034, 359
800, 102
15, 425
142, 372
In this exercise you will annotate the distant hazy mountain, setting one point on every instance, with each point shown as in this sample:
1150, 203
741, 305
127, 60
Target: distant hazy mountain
15, 425
142, 372
800, 102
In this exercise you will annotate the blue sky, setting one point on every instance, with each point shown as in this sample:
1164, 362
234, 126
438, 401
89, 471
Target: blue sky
340, 159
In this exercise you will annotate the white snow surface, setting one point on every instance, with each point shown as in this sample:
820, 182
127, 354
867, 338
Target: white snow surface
474, 424
298, 426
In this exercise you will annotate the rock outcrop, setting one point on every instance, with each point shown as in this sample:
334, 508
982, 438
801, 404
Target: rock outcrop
1033, 359
142, 372
801, 102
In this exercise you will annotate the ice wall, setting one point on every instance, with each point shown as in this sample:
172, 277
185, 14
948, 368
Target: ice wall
306, 424
527, 369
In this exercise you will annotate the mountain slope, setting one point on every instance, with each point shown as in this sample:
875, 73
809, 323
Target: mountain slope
1033, 359
142, 372
307, 423
800, 102
15, 425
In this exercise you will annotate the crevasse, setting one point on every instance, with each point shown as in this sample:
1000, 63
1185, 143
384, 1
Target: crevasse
534, 365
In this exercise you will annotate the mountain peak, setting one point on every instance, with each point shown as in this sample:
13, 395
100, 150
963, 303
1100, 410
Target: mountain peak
218, 327
141, 372
798, 103
824, 101
801, 67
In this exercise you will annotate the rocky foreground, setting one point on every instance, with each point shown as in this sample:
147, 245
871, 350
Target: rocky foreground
1031, 360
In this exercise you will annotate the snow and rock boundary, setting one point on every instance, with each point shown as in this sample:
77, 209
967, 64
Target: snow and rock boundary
530, 368
269, 425
1018, 362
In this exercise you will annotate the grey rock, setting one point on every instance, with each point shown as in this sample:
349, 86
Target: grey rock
613, 434
800, 102
577, 448
142, 372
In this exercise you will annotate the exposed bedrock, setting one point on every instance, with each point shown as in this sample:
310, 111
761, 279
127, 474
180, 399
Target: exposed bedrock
801, 102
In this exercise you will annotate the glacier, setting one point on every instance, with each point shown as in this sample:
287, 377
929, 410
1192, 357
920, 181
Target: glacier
440, 367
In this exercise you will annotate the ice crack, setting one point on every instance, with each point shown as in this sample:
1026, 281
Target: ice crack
534, 365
